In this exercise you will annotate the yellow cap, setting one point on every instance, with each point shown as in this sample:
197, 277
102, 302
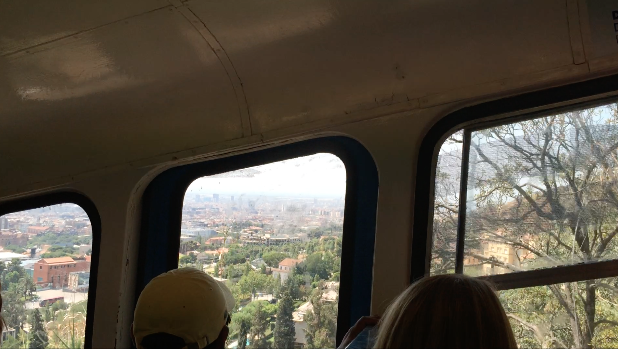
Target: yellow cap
185, 302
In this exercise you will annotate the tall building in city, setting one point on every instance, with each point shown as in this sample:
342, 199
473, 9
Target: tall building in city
4, 223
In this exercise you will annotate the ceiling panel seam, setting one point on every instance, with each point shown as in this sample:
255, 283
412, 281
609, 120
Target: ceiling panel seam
26, 49
309, 130
575, 33
226, 62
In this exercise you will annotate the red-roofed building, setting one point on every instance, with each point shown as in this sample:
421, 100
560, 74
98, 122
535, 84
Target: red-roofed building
37, 230
55, 271
288, 263
12, 238
285, 268
217, 241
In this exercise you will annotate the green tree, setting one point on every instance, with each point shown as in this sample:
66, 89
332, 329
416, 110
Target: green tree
292, 285
58, 239
233, 272
254, 282
38, 334
234, 256
191, 258
188, 246
19, 341
13, 343
317, 265
247, 269
59, 251
547, 190
321, 322
285, 333
259, 326
14, 248
241, 323
315, 233
14, 307
26, 284
12, 277
13, 273
273, 258
300, 269
47, 314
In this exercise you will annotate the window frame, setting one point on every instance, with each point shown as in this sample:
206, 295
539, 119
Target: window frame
499, 112
162, 216
69, 197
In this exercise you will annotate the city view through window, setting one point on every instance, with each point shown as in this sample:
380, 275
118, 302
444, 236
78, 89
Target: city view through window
273, 234
45, 256
541, 193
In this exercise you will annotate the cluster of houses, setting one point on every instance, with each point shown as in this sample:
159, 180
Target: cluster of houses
63, 272
330, 295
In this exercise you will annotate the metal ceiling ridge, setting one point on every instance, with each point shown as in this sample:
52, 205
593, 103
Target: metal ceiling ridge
76, 33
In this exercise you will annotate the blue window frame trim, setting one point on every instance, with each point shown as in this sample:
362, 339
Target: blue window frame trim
162, 215
95, 220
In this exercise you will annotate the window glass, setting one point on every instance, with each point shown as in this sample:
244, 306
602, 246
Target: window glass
580, 314
540, 193
43, 305
543, 193
446, 205
273, 233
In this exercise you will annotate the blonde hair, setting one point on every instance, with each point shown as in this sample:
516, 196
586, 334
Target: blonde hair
446, 311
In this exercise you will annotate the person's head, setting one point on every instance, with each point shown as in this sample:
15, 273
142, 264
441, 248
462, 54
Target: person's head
446, 311
183, 308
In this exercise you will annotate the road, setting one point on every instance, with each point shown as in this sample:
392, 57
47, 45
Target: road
69, 297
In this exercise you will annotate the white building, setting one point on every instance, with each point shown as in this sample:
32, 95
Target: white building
8, 256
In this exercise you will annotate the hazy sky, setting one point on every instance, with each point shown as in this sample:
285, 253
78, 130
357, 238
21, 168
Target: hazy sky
320, 175
603, 114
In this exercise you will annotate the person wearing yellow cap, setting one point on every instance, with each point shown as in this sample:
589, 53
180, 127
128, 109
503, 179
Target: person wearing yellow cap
183, 309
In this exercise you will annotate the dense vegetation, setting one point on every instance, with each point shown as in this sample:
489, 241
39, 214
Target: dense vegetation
258, 323
57, 251
58, 240
548, 189
55, 326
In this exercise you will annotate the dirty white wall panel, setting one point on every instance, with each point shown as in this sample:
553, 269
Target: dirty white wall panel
599, 25
603, 26
305, 60
150, 84
146, 86
116, 197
